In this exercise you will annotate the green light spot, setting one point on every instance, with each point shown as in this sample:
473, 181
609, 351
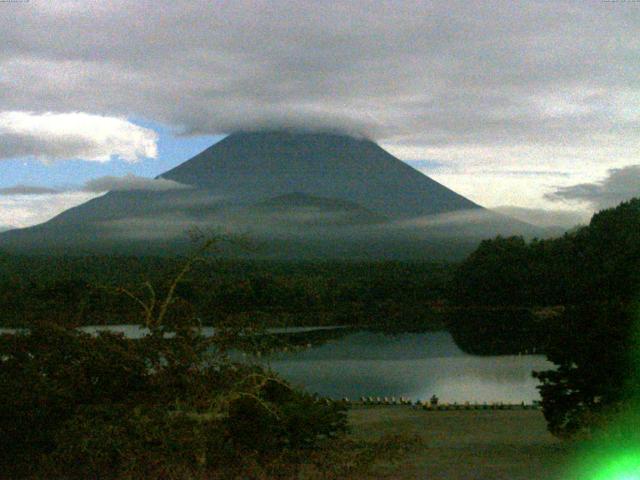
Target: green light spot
624, 467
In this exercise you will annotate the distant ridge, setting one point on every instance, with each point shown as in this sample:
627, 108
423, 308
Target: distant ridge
303, 194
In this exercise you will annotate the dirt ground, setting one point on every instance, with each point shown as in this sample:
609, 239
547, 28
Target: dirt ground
467, 445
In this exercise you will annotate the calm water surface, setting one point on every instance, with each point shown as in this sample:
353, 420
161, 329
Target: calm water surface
413, 365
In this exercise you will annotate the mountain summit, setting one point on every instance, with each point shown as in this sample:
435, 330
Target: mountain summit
304, 194
250, 167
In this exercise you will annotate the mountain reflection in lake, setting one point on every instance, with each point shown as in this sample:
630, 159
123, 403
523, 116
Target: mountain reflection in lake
413, 365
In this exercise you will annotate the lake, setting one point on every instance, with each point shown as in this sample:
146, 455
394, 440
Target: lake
414, 365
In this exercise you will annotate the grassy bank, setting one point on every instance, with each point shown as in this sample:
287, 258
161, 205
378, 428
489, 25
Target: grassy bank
466, 445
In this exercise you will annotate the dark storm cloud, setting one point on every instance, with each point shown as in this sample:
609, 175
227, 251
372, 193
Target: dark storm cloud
410, 72
620, 184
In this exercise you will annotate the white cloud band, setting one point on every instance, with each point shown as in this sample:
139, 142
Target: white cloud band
23, 211
57, 136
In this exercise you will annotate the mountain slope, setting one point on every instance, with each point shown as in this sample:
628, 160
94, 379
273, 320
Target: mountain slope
303, 194
306, 210
251, 166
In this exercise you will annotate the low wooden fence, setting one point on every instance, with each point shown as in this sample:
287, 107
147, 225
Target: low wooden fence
440, 406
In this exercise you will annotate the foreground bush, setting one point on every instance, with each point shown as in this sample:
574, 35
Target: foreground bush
169, 405
82, 406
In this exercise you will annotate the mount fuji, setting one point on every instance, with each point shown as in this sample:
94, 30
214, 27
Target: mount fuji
298, 194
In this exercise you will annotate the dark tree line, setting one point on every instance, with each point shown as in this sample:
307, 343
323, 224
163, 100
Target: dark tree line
87, 290
596, 261
593, 274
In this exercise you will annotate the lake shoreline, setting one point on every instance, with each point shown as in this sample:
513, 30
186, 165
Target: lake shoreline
345, 362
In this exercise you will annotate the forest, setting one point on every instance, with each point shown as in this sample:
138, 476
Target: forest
591, 276
90, 290
529, 289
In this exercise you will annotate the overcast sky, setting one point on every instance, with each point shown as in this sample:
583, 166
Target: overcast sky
515, 104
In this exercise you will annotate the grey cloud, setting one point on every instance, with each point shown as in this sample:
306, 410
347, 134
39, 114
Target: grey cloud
527, 173
411, 72
108, 183
20, 145
457, 218
51, 136
27, 190
620, 184
476, 223
132, 182
545, 218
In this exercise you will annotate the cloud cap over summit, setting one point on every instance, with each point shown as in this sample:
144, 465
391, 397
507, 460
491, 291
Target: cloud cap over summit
477, 73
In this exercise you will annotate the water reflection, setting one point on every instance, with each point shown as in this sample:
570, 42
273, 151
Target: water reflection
366, 345
343, 363
410, 365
